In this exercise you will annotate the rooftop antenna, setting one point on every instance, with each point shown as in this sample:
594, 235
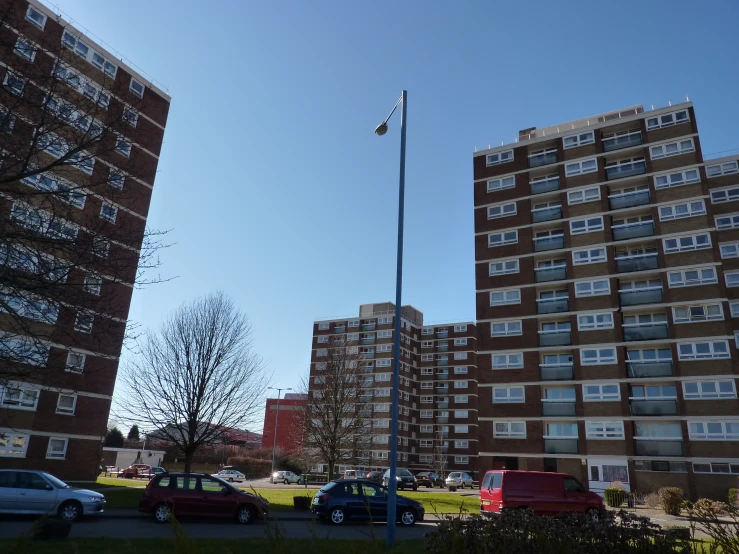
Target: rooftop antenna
687, 98
669, 102
652, 107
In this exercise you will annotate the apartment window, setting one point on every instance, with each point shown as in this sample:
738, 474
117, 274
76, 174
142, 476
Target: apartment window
461, 399
13, 445
425, 414
505, 329
501, 298
428, 385
502, 183
354, 323
28, 305
384, 363
657, 431
427, 400
580, 139
581, 167
383, 377
461, 414
713, 430
384, 334
500, 239
427, 357
100, 247
13, 83
693, 314
427, 344
426, 458
687, 243
382, 392
19, 396
559, 430
672, 149
499, 157
653, 392
502, 210
580, 226
57, 449
581, 196
460, 342
322, 352
692, 277
589, 256
461, 370
75, 362
116, 179
353, 337
508, 395
427, 331
715, 467
25, 49
706, 390
93, 285
323, 339
461, 429
108, 212
554, 360
730, 221
460, 329
136, 87
668, 119
84, 51
676, 179
462, 445
589, 322
649, 355
604, 429
462, 460
460, 384
36, 17
385, 348
597, 356
512, 360
130, 116
384, 320
687, 209
320, 366
722, 169
625, 168
731, 278
734, 309
600, 393
427, 428
66, 403
123, 147
509, 429
592, 288
728, 194
705, 350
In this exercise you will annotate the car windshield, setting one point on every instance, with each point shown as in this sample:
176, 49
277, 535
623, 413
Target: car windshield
455, 475
423, 474
404, 473
57, 483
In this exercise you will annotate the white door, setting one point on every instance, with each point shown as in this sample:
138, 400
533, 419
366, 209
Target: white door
604, 471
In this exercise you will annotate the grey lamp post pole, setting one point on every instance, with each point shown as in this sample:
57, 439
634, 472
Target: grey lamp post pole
277, 423
392, 482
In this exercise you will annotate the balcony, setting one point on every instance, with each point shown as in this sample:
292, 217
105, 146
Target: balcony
366, 369
561, 446
544, 158
625, 170
545, 186
442, 390
640, 262
369, 340
565, 409
629, 200
442, 360
442, 348
442, 375
621, 141
442, 419
549, 243
368, 327
636, 297
442, 405
560, 338
366, 355
653, 407
556, 372
444, 448
442, 334
644, 369
546, 214
654, 331
339, 330
633, 230
553, 306
546, 274
651, 447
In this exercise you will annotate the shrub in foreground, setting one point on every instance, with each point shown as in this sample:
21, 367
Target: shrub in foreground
671, 499
711, 518
614, 497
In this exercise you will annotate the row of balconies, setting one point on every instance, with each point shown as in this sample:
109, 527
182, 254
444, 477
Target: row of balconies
615, 201
631, 333
634, 370
641, 447
610, 144
638, 407
555, 240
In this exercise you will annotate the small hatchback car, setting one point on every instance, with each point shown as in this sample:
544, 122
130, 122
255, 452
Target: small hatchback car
197, 494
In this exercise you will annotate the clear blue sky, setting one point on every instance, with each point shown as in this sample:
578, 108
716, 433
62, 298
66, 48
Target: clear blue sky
279, 193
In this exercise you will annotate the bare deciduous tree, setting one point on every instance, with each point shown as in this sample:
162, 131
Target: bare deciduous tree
339, 408
197, 379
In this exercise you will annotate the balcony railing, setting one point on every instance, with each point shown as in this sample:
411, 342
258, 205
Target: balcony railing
546, 214
636, 297
633, 230
549, 243
545, 186
543, 159
653, 331
368, 340
559, 338
554, 306
561, 446
644, 369
442, 405
442, 375
368, 327
629, 200
442, 390
444, 360
444, 448
442, 419
442, 348
621, 141
338, 330
557, 409
442, 334
546, 274
556, 372
638, 262
626, 170
366, 370
651, 447
366, 355
653, 407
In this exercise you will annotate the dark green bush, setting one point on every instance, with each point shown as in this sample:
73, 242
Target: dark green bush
614, 497
521, 532
733, 497
671, 499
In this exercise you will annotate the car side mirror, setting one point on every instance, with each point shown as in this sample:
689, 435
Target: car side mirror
49, 488
225, 491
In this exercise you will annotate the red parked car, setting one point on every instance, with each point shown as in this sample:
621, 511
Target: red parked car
199, 494
546, 493
136, 470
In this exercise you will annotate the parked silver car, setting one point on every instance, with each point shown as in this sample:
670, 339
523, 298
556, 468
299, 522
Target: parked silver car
37, 492
459, 479
231, 475
286, 477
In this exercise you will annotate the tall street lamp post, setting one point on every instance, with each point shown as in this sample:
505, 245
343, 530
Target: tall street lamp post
277, 423
392, 482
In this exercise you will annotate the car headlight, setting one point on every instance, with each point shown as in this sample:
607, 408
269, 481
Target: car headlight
95, 498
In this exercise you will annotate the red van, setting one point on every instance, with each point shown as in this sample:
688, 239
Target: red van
546, 493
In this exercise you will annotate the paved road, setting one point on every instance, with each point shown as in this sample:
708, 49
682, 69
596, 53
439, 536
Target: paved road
11, 527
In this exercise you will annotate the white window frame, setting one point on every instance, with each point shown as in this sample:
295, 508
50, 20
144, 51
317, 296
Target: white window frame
24, 391
105, 210
11, 451
460, 370
580, 293
510, 296
700, 395
93, 284
512, 238
724, 435
599, 430
498, 158
66, 411
684, 282
123, 147
726, 221
589, 256
508, 433
601, 320
581, 167
725, 168
725, 194
700, 241
32, 12
461, 414
502, 210
502, 183
513, 323
460, 342
731, 278
461, 328
507, 268
601, 357
75, 362
692, 208
591, 224
687, 177
460, 355
655, 122
693, 308
55, 454
115, 177
12, 77
22, 48
712, 353
583, 195
509, 398
134, 87
461, 399
88, 53
579, 139
683, 146
600, 396
462, 429
461, 384
513, 360
324, 326
461, 460
564, 426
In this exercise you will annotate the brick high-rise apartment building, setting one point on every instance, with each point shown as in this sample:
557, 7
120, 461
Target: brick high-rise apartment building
80, 137
607, 276
438, 385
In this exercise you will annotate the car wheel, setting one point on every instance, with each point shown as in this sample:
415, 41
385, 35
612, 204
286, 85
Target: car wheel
70, 511
230, 479
429, 486
337, 516
593, 515
462, 486
415, 487
408, 517
162, 513
286, 482
245, 515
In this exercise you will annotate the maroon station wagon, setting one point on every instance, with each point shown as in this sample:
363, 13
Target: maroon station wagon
199, 494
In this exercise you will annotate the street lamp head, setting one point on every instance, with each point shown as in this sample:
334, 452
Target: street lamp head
381, 129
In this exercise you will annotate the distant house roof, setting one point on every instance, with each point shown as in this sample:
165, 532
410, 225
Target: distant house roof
295, 396
226, 435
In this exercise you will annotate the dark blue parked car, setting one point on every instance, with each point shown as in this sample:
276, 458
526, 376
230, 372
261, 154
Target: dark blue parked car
361, 499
